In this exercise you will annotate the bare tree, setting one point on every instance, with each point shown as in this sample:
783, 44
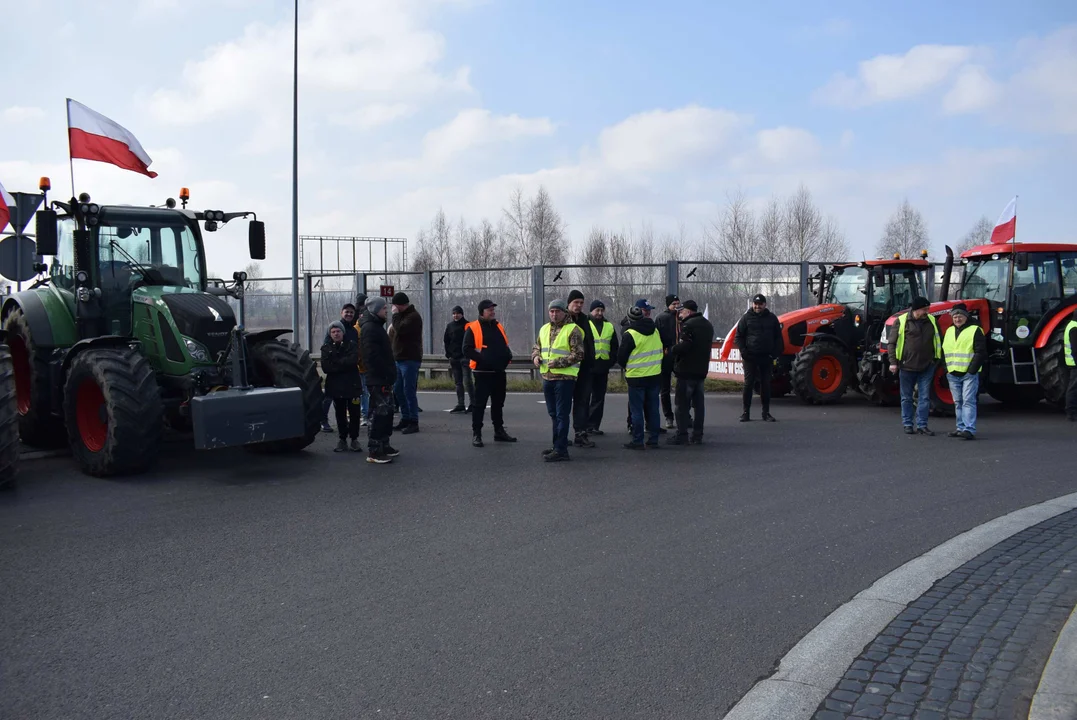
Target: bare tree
833, 245
514, 224
254, 272
803, 227
596, 250
546, 240
905, 232
423, 257
980, 234
644, 248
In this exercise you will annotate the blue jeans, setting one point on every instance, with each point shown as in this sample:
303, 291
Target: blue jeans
407, 380
921, 382
559, 405
965, 390
643, 403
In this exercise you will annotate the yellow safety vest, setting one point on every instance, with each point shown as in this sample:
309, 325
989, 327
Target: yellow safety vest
959, 348
602, 340
646, 357
902, 319
1067, 348
560, 348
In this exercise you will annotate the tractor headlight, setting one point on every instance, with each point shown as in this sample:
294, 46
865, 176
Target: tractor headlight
196, 350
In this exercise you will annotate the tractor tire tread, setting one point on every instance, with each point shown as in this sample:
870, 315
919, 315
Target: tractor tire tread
291, 366
1054, 373
9, 420
802, 372
38, 427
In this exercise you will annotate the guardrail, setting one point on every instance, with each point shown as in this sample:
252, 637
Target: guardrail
435, 366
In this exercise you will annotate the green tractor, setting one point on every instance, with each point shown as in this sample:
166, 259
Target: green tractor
126, 334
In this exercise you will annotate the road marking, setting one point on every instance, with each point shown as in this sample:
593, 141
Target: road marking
1056, 696
818, 662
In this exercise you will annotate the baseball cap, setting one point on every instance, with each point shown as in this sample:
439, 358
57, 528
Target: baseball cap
642, 304
690, 305
759, 298
486, 304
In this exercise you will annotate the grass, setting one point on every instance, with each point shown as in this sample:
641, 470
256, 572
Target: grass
617, 385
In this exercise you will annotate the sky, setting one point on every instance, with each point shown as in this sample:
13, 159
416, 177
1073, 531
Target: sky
627, 112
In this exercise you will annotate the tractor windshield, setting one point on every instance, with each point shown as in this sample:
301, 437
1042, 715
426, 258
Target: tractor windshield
155, 252
986, 278
849, 286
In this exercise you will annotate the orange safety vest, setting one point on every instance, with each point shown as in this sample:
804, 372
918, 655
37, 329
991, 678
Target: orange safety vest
476, 332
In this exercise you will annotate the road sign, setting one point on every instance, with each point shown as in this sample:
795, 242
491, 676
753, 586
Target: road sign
26, 204
387, 291
17, 258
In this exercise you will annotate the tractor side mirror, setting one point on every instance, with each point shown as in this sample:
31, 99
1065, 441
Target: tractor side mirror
1022, 261
47, 240
256, 238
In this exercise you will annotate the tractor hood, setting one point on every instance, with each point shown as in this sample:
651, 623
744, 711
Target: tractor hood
204, 318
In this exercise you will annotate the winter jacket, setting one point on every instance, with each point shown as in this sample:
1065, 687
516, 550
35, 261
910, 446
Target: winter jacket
454, 339
692, 354
602, 367
340, 365
760, 334
407, 334
666, 322
376, 351
919, 349
583, 322
979, 349
575, 349
495, 356
644, 326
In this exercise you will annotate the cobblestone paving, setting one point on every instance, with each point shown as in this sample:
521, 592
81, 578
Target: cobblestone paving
975, 644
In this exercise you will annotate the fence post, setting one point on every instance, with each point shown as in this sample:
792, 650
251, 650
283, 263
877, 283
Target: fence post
538, 306
308, 284
428, 313
805, 269
673, 276
360, 289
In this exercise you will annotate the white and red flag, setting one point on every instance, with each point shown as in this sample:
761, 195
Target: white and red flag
94, 137
6, 201
1006, 227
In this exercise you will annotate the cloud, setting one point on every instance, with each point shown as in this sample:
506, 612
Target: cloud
17, 114
665, 139
475, 127
374, 115
1042, 95
886, 78
973, 90
787, 145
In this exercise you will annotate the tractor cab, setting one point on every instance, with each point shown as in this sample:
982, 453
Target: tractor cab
872, 290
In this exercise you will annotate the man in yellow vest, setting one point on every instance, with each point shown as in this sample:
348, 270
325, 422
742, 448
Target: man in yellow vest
1069, 345
605, 357
641, 355
557, 354
914, 349
964, 349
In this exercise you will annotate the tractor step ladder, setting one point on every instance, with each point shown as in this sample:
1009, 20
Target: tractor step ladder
1025, 368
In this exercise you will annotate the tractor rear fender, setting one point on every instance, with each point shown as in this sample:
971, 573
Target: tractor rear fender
92, 343
827, 337
1061, 314
256, 337
50, 320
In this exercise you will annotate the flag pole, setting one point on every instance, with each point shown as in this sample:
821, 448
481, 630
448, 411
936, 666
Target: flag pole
70, 160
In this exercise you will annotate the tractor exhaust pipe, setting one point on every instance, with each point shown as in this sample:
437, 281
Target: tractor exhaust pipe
947, 269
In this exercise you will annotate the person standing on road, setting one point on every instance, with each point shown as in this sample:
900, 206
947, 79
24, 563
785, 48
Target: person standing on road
486, 347
360, 306
914, 349
557, 354
461, 369
759, 339
407, 341
605, 354
581, 400
1069, 348
668, 324
645, 308
964, 349
377, 355
340, 362
641, 355
347, 319
692, 358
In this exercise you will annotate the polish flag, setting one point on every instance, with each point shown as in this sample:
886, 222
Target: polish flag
94, 137
1006, 227
6, 201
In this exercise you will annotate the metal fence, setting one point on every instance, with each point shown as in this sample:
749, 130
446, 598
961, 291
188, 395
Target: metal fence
723, 290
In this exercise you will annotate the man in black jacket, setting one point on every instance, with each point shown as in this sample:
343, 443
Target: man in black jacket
668, 326
377, 354
581, 394
759, 339
691, 358
340, 363
486, 348
347, 319
406, 336
605, 358
461, 369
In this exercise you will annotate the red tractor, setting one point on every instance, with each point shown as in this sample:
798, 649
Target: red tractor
825, 344
1022, 295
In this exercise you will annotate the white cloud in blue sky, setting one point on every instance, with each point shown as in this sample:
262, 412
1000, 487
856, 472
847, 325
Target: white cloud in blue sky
626, 111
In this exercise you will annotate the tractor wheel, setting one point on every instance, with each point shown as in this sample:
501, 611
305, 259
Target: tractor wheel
1018, 396
276, 363
1054, 373
942, 400
9, 420
821, 373
37, 425
113, 411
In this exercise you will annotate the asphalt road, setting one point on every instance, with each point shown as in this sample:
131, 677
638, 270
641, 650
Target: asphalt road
466, 583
